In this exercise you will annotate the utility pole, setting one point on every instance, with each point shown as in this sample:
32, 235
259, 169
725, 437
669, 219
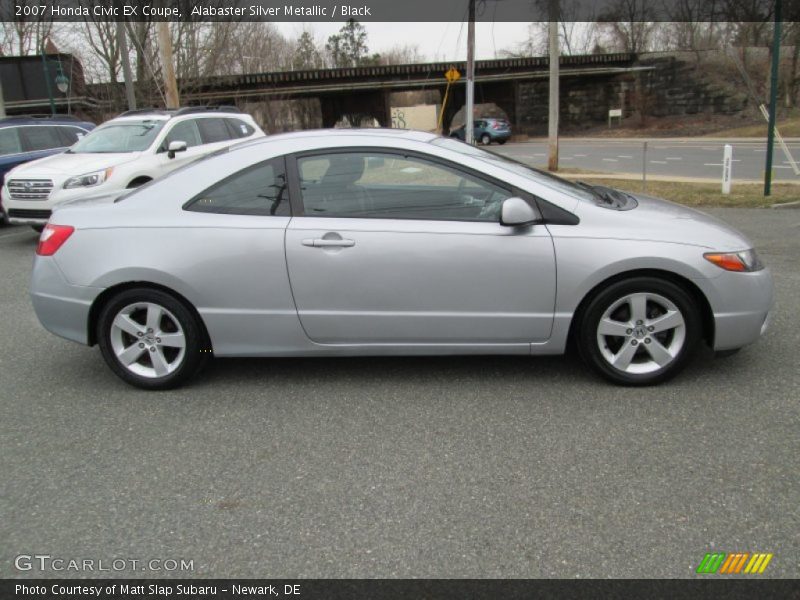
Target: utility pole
2, 101
165, 53
122, 44
773, 97
552, 120
470, 126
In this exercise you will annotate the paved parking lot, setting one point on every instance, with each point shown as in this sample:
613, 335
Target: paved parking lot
419, 467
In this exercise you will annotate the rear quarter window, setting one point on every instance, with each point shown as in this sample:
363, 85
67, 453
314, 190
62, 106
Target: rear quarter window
239, 129
213, 130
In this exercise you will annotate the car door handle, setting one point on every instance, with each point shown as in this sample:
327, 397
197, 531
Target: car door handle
323, 243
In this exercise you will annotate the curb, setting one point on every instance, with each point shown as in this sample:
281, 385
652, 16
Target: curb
793, 204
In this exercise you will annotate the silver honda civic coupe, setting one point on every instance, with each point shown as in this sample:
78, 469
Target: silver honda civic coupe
389, 242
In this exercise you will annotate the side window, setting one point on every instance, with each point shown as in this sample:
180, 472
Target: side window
256, 190
41, 137
390, 186
70, 135
239, 129
213, 130
185, 131
9, 141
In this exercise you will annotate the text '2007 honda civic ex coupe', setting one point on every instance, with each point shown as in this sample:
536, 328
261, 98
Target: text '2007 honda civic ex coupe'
386, 242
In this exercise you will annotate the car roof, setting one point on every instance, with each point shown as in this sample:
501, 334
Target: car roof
29, 120
170, 116
371, 133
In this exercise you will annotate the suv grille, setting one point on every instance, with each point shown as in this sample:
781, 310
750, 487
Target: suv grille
26, 213
30, 189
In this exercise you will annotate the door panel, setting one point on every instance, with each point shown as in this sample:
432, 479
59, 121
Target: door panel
421, 282
405, 249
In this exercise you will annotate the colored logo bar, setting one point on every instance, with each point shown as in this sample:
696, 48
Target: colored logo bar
735, 563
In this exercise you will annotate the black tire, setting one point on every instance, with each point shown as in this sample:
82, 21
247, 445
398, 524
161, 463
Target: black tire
38, 228
501, 142
655, 290
196, 350
486, 139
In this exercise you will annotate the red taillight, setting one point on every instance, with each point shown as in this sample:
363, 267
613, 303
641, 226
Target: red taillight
496, 125
53, 236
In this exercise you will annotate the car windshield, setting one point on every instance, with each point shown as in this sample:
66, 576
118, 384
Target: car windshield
128, 136
543, 177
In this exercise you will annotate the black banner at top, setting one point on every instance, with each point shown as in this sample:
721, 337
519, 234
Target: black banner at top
408, 11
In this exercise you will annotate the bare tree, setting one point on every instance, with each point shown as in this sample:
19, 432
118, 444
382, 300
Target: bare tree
628, 25
24, 35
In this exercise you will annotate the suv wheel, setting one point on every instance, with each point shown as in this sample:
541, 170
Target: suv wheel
639, 331
150, 339
485, 139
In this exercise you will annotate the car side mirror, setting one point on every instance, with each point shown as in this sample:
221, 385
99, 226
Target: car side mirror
515, 212
176, 146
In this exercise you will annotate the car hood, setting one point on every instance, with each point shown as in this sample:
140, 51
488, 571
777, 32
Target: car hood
66, 164
660, 220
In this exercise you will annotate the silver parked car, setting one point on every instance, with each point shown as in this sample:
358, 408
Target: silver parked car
343, 243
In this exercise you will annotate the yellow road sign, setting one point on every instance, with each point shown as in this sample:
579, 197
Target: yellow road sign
452, 75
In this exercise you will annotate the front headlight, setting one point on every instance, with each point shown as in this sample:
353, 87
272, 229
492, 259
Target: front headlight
89, 179
745, 261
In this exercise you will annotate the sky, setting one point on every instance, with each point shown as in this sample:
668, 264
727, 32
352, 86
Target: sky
435, 41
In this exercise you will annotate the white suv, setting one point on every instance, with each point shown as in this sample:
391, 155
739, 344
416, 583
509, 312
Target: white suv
123, 153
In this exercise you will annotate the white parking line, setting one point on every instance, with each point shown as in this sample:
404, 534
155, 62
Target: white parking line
712, 164
624, 156
580, 156
610, 160
565, 158
658, 162
673, 158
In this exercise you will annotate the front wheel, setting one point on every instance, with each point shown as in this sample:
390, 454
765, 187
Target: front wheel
639, 331
485, 139
150, 339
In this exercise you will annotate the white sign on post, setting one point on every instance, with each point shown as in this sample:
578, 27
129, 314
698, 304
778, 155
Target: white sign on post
727, 169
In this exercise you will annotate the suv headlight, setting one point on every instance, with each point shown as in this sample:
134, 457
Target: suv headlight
745, 261
89, 179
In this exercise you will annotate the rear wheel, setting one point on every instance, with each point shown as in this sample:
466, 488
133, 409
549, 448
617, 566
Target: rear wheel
501, 142
639, 331
150, 339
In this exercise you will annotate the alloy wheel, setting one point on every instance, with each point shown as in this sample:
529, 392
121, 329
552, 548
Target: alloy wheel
641, 333
148, 340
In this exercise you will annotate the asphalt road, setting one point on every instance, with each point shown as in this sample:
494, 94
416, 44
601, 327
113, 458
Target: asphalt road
689, 158
420, 467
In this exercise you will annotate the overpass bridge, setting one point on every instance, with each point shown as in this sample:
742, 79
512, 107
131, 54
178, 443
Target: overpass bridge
509, 83
366, 90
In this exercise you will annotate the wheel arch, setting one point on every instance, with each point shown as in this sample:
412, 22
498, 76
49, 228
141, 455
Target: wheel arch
706, 313
106, 295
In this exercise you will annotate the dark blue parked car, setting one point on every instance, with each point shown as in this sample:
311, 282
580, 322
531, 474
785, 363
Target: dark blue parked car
23, 139
486, 131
